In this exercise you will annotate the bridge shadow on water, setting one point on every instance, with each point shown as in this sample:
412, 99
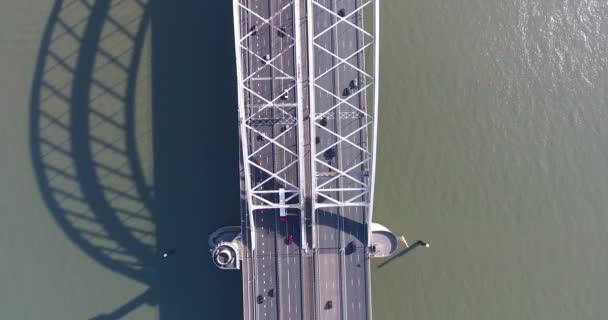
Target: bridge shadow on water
134, 144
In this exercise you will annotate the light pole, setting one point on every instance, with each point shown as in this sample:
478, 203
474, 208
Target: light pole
170, 252
422, 243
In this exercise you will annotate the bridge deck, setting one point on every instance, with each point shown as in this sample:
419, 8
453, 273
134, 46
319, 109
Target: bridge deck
342, 157
269, 120
332, 162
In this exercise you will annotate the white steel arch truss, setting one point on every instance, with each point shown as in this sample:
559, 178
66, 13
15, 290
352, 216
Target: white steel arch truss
343, 74
269, 106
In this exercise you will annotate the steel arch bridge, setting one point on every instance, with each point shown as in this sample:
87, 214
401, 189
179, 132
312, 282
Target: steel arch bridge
307, 78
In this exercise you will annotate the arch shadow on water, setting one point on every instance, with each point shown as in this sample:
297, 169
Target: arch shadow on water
134, 144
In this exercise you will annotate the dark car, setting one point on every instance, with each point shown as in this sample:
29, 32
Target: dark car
329, 305
323, 121
260, 298
329, 154
282, 31
350, 248
290, 239
285, 95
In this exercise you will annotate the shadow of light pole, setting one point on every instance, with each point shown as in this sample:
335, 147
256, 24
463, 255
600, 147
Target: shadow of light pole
404, 251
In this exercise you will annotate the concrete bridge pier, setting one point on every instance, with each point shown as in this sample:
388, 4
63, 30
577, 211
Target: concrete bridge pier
384, 242
225, 247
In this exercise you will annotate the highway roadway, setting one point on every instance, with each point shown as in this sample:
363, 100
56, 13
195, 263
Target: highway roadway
270, 73
342, 264
276, 267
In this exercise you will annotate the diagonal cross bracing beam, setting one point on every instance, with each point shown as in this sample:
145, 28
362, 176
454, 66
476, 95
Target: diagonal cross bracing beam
268, 63
343, 101
272, 140
266, 21
269, 104
344, 61
343, 139
343, 19
342, 173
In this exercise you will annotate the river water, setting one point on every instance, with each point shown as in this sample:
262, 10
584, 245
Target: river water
493, 148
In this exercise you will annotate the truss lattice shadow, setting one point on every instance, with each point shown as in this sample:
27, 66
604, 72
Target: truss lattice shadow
124, 158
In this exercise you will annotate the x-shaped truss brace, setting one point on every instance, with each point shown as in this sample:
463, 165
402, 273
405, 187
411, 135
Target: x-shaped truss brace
328, 188
268, 104
343, 19
268, 63
266, 21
